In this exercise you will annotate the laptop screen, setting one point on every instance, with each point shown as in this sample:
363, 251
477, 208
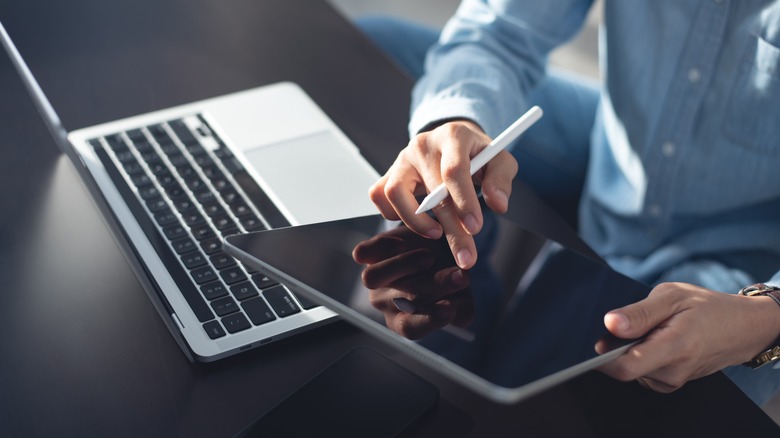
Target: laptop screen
530, 310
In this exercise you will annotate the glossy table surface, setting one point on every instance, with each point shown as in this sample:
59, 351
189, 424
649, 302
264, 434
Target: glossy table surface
84, 352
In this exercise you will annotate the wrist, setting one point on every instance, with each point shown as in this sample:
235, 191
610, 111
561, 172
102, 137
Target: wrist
765, 323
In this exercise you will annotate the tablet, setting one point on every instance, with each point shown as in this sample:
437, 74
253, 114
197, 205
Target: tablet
527, 316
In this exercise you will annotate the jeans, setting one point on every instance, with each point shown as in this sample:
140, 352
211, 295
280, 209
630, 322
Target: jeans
552, 158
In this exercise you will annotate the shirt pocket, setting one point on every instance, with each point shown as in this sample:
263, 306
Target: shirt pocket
752, 119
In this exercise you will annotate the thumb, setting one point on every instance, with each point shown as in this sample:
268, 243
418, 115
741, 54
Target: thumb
636, 319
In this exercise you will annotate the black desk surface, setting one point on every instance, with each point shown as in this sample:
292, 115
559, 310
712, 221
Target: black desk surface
82, 350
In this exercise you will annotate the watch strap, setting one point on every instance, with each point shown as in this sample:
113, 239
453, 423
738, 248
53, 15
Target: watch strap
773, 353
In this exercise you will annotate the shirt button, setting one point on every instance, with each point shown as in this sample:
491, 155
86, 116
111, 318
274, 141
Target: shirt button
694, 75
654, 210
668, 149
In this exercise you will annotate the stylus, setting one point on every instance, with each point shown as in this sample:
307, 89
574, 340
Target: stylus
498, 144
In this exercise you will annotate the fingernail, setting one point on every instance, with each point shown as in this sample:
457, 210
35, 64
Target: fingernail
463, 258
621, 321
471, 224
433, 233
404, 305
457, 278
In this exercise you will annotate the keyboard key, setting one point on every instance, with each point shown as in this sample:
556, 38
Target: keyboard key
182, 131
232, 275
125, 156
213, 290
158, 131
202, 231
116, 142
151, 156
220, 184
148, 192
165, 179
240, 209
170, 149
305, 302
143, 147
194, 183
211, 246
204, 195
221, 260
179, 161
136, 135
193, 259
214, 329
183, 245
165, 217
175, 231
140, 179
232, 165
229, 195
203, 275
192, 217
158, 167
203, 160
258, 311
236, 322
263, 282
213, 208
281, 301
224, 306
182, 202
156, 204
243, 291
213, 172
185, 171
252, 223
223, 222
174, 190
133, 167
195, 149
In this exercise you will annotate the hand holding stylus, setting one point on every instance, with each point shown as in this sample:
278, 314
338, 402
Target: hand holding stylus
456, 156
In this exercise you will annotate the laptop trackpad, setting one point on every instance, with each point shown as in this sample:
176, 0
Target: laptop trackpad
314, 178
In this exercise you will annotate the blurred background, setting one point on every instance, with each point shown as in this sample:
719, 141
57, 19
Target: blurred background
579, 55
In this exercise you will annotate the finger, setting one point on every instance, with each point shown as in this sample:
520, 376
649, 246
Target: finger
399, 190
636, 319
461, 242
389, 271
656, 352
418, 291
415, 326
377, 195
378, 248
656, 385
456, 175
497, 181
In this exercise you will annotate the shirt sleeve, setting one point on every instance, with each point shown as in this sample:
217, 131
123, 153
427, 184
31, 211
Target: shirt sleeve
490, 55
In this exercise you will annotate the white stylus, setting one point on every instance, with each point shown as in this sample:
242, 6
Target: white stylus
498, 144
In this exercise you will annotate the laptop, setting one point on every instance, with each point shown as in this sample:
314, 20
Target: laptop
530, 316
173, 183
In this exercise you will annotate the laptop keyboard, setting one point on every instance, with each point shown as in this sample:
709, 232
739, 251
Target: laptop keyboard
187, 194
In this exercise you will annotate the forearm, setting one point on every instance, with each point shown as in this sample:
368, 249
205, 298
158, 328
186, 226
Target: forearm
488, 59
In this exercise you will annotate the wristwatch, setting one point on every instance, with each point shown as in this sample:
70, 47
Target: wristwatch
755, 290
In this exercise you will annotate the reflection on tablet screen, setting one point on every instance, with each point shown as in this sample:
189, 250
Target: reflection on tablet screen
527, 315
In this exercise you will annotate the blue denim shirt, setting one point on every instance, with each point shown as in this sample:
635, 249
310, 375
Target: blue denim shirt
685, 151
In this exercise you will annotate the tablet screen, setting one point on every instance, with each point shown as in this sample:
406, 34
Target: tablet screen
529, 314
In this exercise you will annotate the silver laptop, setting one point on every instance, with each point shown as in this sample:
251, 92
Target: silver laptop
173, 183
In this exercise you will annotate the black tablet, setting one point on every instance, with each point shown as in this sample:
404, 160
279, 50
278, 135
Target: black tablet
527, 316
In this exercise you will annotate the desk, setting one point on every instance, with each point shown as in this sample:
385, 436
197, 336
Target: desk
84, 352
